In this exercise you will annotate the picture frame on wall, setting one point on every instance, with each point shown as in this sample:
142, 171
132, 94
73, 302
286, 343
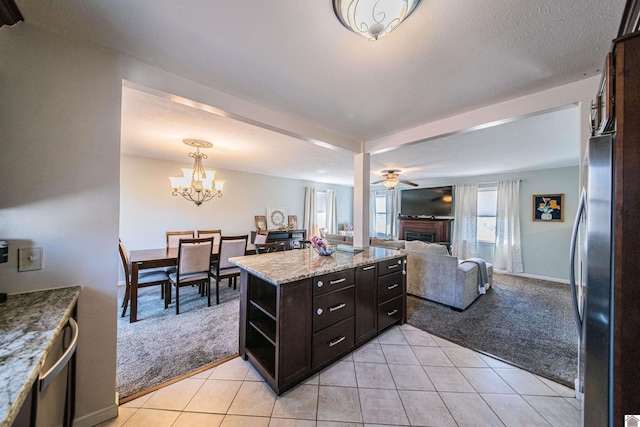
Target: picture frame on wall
261, 222
277, 218
292, 220
548, 207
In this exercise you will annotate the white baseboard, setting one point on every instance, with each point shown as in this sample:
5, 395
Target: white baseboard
535, 276
98, 417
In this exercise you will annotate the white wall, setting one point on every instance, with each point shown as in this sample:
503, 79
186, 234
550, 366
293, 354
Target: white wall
545, 245
59, 167
148, 209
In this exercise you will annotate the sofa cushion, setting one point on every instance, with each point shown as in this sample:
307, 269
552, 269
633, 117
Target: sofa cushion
424, 247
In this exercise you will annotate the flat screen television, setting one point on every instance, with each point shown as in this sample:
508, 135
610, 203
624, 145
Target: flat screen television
435, 201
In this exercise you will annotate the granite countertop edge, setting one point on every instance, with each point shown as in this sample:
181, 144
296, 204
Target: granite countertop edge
301, 271
9, 414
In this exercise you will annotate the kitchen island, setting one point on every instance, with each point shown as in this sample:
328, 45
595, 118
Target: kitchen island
300, 312
30, 323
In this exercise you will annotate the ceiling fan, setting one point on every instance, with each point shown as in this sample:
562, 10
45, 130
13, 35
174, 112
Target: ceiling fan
391, 179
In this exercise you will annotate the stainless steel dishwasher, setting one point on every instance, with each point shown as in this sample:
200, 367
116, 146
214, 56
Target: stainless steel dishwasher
55, 403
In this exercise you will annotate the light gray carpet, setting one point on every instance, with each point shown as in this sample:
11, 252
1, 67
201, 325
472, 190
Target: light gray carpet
161, 346
527, 322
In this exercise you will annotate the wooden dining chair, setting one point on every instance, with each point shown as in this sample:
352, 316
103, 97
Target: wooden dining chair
193, 268
210, 233
230, 247
265, 248
173, 237
145, 278
261, 237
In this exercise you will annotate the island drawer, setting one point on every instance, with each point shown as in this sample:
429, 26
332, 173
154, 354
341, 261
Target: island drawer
389, 266
390, 312
333, 307
333, 281
390, 286
332, 342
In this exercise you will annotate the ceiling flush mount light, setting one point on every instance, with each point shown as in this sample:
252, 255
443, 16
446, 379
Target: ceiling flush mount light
197, 184
373, 18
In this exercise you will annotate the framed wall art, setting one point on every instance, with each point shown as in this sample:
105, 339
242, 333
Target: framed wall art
293, 222
277, 218
548, 207
261, 222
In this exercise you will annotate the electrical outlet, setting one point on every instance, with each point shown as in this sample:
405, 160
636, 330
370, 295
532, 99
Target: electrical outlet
30, 259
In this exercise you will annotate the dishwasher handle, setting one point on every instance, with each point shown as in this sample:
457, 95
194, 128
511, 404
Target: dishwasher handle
45, 379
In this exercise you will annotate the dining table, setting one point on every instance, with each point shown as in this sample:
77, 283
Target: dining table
143, 259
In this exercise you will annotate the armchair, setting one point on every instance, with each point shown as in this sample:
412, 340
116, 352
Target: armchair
435, 275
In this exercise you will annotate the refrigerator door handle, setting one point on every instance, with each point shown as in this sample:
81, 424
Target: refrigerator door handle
572, 259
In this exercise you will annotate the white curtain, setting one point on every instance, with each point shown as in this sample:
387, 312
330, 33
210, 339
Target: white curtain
393, 209
372, 214
465, 223
508, 254
310, 213
332, 211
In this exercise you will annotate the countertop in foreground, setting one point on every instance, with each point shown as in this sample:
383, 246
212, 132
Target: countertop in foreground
298, 264
29, 324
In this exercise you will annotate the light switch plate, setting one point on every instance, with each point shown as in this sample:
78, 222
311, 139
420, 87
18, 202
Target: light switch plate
30, 259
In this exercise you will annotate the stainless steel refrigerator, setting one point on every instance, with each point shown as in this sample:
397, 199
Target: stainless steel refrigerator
592, 291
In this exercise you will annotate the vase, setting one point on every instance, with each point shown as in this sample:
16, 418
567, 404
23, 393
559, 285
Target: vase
546, 216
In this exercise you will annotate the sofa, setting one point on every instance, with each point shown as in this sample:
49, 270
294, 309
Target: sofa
435, 275
339, 239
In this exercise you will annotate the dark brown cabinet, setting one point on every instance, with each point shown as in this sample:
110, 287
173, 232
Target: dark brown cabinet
292, 330
391, 292
366, 303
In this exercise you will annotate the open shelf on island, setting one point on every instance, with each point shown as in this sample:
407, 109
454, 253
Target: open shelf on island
267, 305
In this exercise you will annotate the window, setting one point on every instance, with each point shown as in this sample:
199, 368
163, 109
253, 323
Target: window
321, 210
486, 221
380, 214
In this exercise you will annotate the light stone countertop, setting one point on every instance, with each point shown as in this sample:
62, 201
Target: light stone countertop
298, 264
29, 324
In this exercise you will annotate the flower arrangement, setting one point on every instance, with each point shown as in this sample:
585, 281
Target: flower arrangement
322, 246
547, 206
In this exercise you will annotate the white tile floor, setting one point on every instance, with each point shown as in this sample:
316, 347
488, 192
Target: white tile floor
404, 377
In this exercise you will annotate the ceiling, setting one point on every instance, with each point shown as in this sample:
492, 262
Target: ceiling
294, 58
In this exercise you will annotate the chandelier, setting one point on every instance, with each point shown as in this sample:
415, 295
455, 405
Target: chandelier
197, 184
373, 18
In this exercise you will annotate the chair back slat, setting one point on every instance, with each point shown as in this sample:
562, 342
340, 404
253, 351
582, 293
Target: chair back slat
194, 255
173, 237
231, 247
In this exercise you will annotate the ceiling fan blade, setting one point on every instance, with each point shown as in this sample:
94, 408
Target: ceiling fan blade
413, 184
378, 182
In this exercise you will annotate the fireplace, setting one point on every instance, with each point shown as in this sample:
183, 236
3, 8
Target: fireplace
429, 230
419, 235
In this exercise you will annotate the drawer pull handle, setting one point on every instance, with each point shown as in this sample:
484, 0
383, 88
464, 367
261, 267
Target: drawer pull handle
393, 266
319, 311
334, 282
368, 268
392, 312
337, 307
395, 285
337, 341
320, 284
